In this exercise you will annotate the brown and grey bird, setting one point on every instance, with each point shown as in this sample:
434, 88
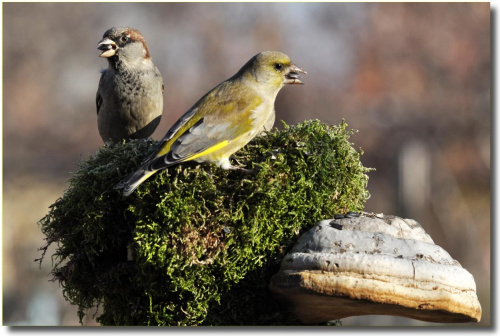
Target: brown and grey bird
223, 120
130, 95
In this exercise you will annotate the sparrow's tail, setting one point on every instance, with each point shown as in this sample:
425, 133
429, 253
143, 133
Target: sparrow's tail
131, 182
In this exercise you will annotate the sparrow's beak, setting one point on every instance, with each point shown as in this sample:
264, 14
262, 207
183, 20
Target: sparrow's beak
108, 47
293, 74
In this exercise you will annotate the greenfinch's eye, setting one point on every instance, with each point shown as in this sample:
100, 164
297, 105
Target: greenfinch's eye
125, 38
278, 66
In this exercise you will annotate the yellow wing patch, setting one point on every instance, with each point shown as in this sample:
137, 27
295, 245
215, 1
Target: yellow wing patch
209, 150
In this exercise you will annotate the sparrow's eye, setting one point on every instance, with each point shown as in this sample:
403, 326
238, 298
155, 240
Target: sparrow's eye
278, 66
125, 38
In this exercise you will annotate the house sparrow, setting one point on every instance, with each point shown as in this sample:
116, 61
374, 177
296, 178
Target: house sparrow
130, 95
223, 120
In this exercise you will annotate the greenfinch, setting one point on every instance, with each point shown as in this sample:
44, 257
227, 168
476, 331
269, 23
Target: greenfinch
223, 120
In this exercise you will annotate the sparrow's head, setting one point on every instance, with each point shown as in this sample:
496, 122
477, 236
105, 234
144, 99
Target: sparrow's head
124, 43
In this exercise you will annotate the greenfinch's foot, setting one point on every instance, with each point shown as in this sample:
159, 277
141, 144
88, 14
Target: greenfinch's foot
241, 169
226, 164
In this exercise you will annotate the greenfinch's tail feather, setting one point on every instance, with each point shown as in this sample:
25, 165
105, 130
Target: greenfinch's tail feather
149, 167
130, 183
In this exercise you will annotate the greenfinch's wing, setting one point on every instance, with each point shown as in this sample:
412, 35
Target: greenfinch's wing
218, 118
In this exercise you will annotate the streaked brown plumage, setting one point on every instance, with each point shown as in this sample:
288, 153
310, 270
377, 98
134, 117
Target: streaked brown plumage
129, 99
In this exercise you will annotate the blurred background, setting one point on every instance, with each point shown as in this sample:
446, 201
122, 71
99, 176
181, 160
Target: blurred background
413, 78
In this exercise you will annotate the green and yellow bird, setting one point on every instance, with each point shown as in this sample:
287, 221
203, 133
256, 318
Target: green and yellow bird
223, 120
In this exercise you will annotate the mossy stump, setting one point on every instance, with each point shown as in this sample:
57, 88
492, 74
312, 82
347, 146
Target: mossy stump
196, 244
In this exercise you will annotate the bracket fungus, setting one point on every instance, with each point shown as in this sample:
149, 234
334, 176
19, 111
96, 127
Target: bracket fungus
374, 265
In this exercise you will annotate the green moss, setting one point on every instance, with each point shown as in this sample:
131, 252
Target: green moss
205, 241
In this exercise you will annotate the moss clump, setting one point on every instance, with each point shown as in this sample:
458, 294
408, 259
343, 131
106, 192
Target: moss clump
204, 241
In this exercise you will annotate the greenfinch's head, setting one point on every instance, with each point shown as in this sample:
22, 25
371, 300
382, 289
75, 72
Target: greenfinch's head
273, 68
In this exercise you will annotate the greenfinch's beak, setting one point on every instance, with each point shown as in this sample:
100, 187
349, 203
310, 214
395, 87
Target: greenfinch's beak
108, 47
293, 74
